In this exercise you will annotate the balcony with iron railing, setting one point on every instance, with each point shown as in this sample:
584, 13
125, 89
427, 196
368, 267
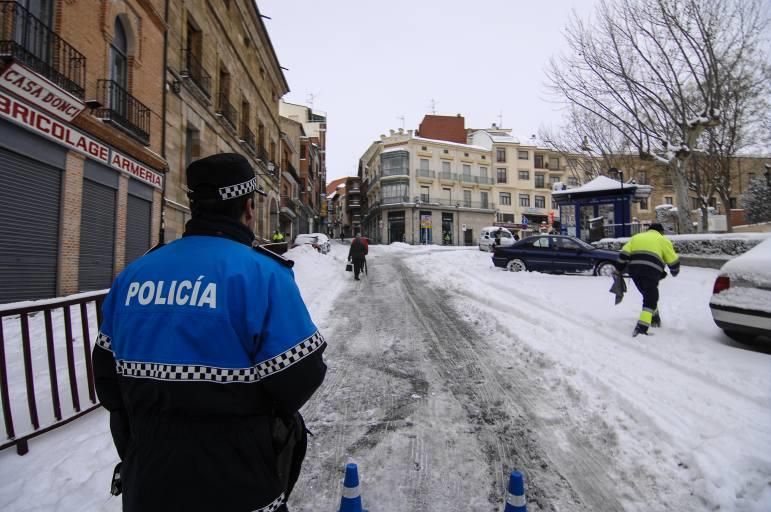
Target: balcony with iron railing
225, 110
123, 110
193, 69
425, 173
247, 138
27, 39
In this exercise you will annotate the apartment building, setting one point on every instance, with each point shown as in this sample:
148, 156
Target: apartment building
524, 175
291, 206
312, 170
81, 142
421, 190
224, 83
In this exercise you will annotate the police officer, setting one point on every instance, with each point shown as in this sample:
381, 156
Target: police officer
205, 354
277, 236
646, 255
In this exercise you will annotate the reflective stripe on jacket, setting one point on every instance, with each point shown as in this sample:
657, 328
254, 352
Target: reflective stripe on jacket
651, 249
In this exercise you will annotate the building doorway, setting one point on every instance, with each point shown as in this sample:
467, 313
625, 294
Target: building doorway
395, 227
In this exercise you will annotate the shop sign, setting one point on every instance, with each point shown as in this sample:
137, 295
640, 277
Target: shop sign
425, 221
52, 129
40, 92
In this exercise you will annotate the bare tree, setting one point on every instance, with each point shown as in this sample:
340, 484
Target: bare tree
657, 70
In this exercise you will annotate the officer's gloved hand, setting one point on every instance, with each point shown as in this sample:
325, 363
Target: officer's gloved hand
674, 272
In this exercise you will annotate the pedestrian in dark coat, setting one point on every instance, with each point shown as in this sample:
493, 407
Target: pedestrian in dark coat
205, 355
357, 255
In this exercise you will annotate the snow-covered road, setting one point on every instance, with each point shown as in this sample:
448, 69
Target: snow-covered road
445, 374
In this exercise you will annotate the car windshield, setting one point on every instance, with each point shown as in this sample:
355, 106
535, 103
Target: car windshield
305, 239
582, 244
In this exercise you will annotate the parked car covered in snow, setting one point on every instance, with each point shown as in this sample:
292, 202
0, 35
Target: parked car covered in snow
741, 296
318, 241
556, 254
487, 238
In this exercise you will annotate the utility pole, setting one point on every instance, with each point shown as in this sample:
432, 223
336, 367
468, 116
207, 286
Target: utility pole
433, 106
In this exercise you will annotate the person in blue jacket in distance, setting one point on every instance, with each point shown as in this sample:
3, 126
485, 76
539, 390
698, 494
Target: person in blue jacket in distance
205, 355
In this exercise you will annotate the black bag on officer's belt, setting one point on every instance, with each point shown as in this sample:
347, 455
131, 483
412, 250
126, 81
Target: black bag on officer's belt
290, 441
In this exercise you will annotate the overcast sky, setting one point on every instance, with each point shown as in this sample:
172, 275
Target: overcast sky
369, 64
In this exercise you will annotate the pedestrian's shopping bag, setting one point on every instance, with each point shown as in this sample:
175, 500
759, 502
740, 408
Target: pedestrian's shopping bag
349, 267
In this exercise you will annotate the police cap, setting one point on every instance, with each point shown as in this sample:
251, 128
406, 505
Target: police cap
220, 177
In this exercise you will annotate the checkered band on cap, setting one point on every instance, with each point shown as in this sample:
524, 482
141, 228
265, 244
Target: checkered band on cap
190, 372
273, 506
238, 190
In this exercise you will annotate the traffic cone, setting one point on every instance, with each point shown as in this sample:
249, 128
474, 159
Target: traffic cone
351, 500
515, 498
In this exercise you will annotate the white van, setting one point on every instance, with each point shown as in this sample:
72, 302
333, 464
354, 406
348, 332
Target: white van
487, 238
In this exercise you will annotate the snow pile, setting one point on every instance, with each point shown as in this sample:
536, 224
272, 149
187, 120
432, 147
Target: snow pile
728, 244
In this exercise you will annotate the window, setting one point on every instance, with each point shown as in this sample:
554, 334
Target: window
554, 179
303, 146
732, 201
423, 148
568, 244
541, 242
424, 194
504, 198
500, 154
524, 200
643, 204
572, 181
538, 161
446, 152
540, 201
540, 181
446, 167
483, 200
522, 155
668, 200
524, 175
506, 217
118, 57
573, 164
447, 193
501, 174
695, 203
554, 205
667, 179
642, 177
484, 157
424, 164
466, 169
554, 162
465, 154
466, 198
483, 172
192, 145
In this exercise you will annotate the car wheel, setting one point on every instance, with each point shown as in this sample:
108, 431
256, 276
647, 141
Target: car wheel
741, 337
605, 268
516, 266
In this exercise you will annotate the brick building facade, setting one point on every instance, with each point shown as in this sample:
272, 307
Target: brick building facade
81, 171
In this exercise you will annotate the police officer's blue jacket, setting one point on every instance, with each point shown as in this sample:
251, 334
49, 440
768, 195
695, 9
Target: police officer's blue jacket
203, 343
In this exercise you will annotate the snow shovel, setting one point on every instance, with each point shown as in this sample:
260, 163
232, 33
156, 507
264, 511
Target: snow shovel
619, 287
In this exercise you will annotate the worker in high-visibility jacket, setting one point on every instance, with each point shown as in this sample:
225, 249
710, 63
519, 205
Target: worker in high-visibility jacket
646, 256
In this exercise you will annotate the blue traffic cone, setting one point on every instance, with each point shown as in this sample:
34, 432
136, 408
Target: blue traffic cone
515, 498
351, 500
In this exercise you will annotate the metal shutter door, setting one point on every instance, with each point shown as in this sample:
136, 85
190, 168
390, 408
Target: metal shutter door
138, 217
97, 237
29, 228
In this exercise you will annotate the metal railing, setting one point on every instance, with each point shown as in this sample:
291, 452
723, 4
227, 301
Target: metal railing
247, 137
193, 69
123, 110
425, 173
288, 202
30, 41
448, 175
38, 343
226, 110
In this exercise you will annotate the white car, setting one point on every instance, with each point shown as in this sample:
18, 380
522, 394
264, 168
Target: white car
741, 296
316, 240
487, 238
